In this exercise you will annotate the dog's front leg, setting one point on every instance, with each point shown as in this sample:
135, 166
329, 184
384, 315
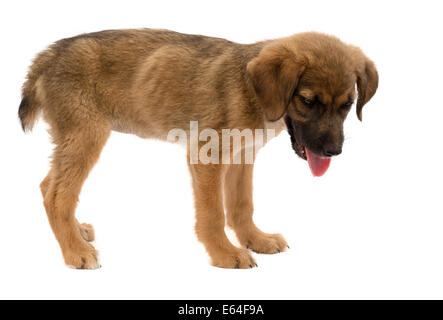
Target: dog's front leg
207, 182
239, 207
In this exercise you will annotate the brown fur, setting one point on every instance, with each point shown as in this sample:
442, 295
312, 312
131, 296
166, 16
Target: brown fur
147, 82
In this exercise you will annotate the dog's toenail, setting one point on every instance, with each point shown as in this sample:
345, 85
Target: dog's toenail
250, 266
278, 250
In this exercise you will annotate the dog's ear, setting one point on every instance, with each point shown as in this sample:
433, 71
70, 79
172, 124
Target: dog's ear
274, 75
367, 79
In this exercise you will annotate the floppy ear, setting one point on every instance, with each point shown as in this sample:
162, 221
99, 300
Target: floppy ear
367, 80
274, 75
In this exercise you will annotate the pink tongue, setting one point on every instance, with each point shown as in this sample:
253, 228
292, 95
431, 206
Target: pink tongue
317, 165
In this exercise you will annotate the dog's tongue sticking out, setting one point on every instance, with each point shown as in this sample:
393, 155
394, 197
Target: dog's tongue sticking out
317, 165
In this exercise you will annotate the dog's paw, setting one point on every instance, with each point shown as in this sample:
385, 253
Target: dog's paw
87, 231
84, 258
237, 259
261, 242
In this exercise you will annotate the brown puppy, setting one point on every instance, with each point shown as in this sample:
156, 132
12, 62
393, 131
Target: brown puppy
148, 82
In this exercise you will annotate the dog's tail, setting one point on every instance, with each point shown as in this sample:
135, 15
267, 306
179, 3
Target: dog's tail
28, 112
31, 106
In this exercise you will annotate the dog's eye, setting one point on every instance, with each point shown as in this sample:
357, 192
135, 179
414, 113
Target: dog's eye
347, 105
307, 102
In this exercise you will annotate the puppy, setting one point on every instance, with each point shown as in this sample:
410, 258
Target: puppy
149, 82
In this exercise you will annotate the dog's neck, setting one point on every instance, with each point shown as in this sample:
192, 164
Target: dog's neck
278, 125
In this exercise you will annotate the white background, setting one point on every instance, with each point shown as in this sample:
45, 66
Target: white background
370, 228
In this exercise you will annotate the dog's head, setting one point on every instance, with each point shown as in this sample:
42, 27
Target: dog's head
310, 79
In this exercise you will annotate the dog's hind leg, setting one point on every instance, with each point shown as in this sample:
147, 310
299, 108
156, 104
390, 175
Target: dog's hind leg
239, 207
44, 185
75, 154
86, 230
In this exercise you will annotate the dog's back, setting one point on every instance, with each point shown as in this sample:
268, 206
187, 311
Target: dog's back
123, 75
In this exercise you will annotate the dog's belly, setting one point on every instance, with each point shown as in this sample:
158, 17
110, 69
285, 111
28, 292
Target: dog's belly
140, 129
144, 130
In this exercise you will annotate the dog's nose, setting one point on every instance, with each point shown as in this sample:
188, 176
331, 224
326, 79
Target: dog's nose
331, 150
